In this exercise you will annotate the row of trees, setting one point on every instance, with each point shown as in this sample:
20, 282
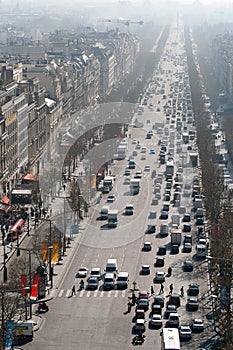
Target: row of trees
218, 205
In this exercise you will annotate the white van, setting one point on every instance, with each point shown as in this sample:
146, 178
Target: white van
109, 281
111, 266
122, 280
104, 212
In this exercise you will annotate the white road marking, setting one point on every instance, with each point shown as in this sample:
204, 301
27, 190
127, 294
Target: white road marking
95, 293
61, 292
88, 294
81, 293
68, 293
101, 294
116, 294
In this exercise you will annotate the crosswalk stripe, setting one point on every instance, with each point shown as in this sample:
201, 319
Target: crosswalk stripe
61, 292
81, 293
68, 293
95, 293
116, 294
109, 293
101, 294
123, 294
88, 294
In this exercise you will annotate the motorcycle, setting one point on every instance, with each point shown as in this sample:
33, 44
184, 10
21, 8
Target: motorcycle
42, 307
138, 339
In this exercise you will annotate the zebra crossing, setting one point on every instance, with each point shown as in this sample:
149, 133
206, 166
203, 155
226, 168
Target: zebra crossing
93, 294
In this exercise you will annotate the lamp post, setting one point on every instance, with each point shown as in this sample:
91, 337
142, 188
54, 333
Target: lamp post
4, 255
29, 250
50, 252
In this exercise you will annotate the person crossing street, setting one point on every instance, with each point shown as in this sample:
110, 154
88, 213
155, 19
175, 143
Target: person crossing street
171, 288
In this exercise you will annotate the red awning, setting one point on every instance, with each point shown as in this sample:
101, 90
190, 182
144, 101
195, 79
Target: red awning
5, 200
17, 225
31, 177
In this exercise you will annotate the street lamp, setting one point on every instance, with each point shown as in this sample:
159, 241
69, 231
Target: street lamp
29, 250
50, 252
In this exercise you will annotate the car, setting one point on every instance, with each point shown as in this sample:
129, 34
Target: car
143, 295
134, 142
197, 325
111, 198
143, 304
138, 174
199, 221
187, 247
156, 309
163, 215
152, 151
138, 146
147, 246
162, 250
92, 283
188, 239
174, 299
126, 181
188, 265
186, 217
150, 229
173, 319
187, 227
159, 300
145, 270
147, 168
170, 309
135, 153
95, 272
129, 209
82, 272
193, 289
159, 277
174, 249
159, 262
158, 109
140, 325
156, 321
192, 304
143, 157
185, 332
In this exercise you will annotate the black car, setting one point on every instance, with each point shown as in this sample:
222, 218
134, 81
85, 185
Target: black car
187, 228
193, 289
163, 215
150, 229
161, 250
188, 266
175, 249
159, 262
159, 300
174, 299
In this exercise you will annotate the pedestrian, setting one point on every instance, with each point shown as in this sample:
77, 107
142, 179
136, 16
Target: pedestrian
171, 288
169, 271
64, 187
161, 289
134, 299
73, 291
182, 291
152, 290
129, 306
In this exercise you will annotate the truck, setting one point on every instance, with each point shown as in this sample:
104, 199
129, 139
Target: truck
169, 169
121, 151
134, 186
112, 218
108, 184
24, 329
176, 236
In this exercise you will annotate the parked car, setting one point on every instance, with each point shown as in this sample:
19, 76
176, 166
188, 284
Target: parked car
187, 228
174, 249
150, 229
193, 289
163, 215
140, 325
185, 332
143, 304
186, 217
111, 198
156, 309
127, 172
192, 304
197, 325
188, 265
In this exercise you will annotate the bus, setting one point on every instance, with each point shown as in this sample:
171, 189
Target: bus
170, 339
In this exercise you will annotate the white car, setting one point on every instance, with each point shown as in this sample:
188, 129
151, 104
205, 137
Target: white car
134, 142
197, 325
185, 332
147, 168
82, 272
160, 277
156, 321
